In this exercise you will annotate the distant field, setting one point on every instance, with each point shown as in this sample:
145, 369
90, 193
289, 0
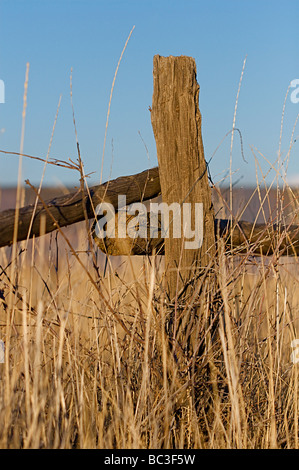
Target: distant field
243, 198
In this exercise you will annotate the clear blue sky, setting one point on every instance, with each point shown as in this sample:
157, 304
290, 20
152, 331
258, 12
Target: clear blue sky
89, 35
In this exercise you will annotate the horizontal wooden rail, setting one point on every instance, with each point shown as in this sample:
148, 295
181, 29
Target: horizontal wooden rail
69, 209
244, 237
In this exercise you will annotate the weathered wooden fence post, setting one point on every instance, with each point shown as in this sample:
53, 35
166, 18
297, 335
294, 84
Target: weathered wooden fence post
176, 122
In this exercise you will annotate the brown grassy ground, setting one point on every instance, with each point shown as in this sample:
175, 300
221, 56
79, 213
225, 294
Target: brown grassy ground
89, 364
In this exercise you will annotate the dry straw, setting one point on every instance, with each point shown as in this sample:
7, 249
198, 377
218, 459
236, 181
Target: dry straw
90, 363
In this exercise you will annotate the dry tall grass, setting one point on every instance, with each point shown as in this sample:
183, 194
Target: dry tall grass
90, 365
89, 361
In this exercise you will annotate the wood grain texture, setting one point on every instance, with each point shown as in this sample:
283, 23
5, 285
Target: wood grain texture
69, 209
259, 238
245, 238
176, 122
